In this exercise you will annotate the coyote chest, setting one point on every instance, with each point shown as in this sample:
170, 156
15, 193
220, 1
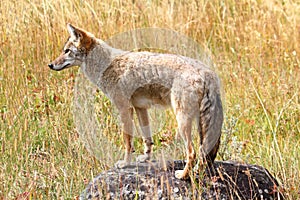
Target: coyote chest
147, 79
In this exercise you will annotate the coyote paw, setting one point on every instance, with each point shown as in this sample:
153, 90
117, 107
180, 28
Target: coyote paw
181, 174
143, 158
122, 164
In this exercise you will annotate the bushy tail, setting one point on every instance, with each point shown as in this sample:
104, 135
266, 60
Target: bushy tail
211, 118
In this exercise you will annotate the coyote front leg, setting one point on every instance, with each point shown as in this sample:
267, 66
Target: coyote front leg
127, 128
143, 118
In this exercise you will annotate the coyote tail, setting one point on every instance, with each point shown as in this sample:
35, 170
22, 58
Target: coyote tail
211, 119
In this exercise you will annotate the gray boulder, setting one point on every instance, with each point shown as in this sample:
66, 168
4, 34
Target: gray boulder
224, 180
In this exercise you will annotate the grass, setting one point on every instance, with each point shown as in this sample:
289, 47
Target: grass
255, 47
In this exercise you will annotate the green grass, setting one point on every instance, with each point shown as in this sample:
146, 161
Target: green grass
255, 47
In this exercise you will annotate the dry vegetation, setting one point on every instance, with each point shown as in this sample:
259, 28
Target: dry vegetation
256, 48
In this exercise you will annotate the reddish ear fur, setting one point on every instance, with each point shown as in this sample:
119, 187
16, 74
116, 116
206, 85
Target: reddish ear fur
83, 38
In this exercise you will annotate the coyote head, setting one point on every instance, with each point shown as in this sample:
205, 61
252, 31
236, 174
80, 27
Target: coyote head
75, 50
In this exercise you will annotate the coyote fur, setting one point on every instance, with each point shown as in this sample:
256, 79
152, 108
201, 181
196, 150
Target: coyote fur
135, 81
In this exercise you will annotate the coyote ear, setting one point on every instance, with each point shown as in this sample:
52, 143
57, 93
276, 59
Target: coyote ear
74, 32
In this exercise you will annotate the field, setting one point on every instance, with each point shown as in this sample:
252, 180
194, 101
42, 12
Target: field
255, 46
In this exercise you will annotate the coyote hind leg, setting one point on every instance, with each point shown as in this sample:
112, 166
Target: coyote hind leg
143, 118
185, 128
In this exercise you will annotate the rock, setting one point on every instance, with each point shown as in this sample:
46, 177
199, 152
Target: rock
224, 180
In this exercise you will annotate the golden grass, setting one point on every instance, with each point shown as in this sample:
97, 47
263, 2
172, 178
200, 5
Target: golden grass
255, 46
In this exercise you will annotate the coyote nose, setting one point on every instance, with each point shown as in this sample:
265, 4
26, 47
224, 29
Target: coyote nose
51, 66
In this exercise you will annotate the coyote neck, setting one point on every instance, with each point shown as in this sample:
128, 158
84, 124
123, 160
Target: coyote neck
97, 61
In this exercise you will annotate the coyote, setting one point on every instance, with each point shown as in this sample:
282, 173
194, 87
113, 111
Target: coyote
135, 81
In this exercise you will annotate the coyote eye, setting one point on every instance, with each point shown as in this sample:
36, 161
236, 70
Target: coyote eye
67, 50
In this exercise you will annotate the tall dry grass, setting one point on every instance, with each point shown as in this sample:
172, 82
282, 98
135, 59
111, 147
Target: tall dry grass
255, 46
